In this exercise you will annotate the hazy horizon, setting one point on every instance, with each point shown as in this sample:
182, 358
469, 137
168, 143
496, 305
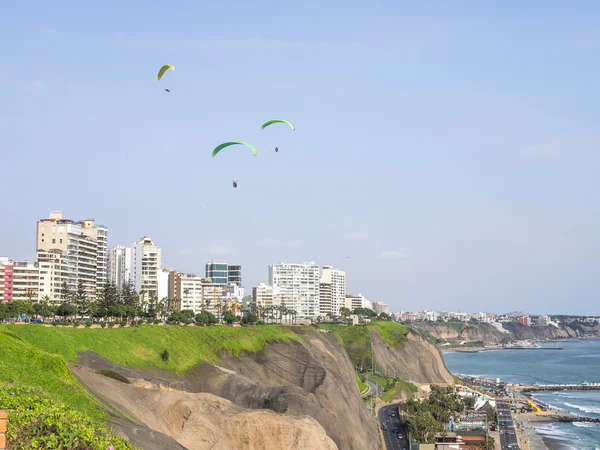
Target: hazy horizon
449, 149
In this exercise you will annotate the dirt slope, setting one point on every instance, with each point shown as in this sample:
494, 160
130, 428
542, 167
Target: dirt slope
204, 421
417, 360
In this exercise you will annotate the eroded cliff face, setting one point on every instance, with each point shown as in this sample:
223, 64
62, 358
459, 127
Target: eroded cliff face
490, 335
416, 360
199, 421
310, 378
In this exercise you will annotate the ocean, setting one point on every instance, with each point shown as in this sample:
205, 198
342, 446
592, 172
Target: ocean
577, 363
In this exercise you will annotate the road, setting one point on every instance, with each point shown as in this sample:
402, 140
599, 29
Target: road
506, 427
392, 442
376, 388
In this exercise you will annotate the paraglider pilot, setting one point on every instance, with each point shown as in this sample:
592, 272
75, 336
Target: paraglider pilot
235, 184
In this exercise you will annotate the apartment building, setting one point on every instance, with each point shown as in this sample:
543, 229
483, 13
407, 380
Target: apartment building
19, 280
83, 246
357, 301
380, 307
119, 265
264, 295
334, 293
297, 286
146, 260
55, 268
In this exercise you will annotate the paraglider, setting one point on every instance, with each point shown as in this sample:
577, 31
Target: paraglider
163, 69
167, 90
235, 184
276, 149
271, 122
227, 144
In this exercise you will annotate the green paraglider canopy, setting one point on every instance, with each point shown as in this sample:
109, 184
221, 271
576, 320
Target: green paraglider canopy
227, 144
270, 122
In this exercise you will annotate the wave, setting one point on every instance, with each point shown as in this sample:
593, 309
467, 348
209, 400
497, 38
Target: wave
586, 425
585, 409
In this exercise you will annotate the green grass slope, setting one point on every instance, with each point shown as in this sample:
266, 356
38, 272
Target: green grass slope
46, 405
141, 346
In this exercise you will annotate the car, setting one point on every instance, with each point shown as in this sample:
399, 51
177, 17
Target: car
384, 427
395, 429
399, 436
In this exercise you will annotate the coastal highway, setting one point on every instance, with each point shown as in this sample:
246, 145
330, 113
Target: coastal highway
506, 427
392, 441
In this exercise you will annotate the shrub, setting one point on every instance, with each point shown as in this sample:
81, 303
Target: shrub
88, 323
123, 323
103, 324
55, 323
114, 375
111, 324
39, 422
156, 321
77, 323
165, 355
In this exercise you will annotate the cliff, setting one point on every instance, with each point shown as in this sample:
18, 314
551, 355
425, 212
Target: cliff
495, 334
301, 379
416, 360
309, 377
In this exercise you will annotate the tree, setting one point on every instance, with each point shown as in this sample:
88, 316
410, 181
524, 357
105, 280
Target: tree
228, 316
66, 294
345, 312
206, 317
82, 302
250, 318
365, 312
384, 316
107, 301
66, 310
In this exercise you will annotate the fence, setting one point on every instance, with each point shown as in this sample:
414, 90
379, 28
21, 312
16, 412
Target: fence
3, 420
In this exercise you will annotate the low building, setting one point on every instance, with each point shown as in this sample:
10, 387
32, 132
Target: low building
19, 280
524, 320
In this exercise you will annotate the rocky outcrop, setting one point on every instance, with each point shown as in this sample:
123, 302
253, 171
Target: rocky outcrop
416, 360
490, 335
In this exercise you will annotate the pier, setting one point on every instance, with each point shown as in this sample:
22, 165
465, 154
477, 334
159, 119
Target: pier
561, 387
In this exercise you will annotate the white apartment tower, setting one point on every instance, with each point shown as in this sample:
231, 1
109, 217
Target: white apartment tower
145, 266
119, 265
333, 285
297, 287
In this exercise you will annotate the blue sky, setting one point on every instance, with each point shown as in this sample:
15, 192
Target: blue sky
451, 149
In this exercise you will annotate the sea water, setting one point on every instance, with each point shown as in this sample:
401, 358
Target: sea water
577, 363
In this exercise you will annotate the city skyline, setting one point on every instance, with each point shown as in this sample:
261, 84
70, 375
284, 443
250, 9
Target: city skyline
450, 149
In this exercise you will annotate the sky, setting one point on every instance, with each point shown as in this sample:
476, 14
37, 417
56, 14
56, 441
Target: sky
450, 149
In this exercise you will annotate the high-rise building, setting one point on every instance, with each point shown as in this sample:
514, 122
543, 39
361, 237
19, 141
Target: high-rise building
297, 287
19, 280
83, 245
335, 292
163, 283
119, 265
146, 260
223, 273
325, 301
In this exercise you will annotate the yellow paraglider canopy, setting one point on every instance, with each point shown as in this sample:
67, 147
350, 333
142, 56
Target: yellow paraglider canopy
163, 69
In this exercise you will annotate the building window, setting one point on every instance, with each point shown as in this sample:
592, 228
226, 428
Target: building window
61, 241
54, 241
